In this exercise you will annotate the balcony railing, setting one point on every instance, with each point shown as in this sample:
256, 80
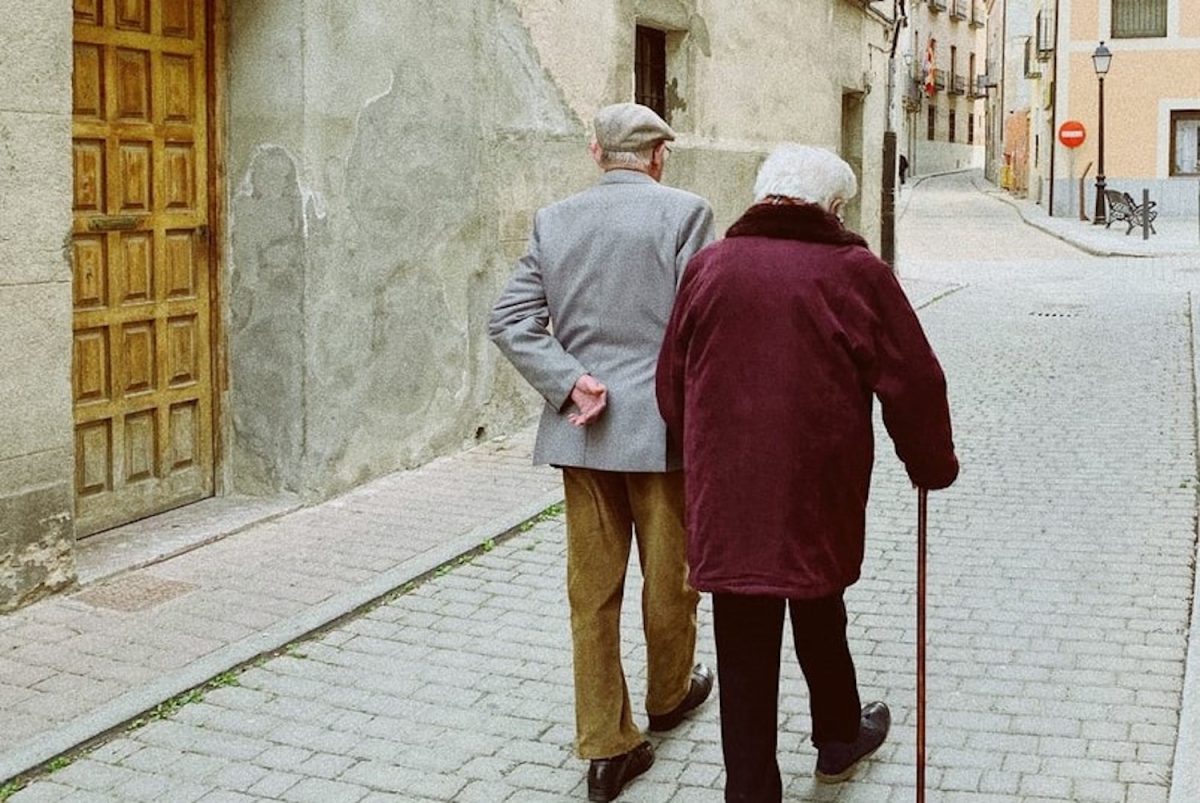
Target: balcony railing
983, 83
939, 78
959, 85
1032, 69
1045, 36
978, 15
937, 5
958, 9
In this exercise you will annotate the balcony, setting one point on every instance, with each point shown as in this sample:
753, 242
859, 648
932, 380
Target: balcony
983, 83
913, 93
1045, 37
978, 16
958, 9
939, 78
937, 5
1032, 68
958, 86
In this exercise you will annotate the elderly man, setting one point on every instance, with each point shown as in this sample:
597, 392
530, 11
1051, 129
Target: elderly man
582, 319
781, 336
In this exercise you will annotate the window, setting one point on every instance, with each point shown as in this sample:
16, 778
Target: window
932, 126
1139, 18
953, 117
650, 70
970, 129
953, 62
971, 91
1185, 143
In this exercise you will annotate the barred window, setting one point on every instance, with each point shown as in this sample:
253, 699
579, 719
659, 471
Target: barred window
970, 129
1139, 18
931, 129
650, 70
953, 120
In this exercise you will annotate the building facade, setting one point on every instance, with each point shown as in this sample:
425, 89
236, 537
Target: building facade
1007, 92
943, 51
249, 247
1151, 102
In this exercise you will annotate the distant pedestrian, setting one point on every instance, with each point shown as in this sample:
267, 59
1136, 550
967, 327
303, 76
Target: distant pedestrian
582, 319
903, 167
781, 336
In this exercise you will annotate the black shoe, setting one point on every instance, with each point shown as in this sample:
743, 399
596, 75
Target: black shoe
608, 776
836, 761
702, 683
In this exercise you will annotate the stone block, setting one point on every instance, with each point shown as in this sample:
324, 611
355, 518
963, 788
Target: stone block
36, 542
35, 360
35, 56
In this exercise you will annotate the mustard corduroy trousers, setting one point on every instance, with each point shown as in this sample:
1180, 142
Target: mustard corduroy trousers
605, 511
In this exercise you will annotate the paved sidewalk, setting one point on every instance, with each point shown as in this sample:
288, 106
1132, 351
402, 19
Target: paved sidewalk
1176, 236
75, 666
1062, 572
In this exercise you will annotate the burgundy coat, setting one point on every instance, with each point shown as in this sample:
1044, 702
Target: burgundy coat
781, 336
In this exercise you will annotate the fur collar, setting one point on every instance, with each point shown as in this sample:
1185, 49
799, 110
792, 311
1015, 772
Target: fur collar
807, 222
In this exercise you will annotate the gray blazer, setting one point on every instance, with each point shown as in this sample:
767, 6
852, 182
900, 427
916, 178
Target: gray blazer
593, 295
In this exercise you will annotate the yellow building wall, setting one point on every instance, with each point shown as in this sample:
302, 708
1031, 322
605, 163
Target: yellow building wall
1189, 19
1085, 20
1132, 89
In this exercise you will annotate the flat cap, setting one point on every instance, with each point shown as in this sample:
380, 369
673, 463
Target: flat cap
626, 127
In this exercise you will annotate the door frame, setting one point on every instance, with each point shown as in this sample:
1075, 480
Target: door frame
217, 41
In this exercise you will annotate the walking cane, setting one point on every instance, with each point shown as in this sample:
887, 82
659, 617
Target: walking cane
922, 520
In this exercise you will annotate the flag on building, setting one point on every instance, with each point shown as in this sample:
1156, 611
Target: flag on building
930, 67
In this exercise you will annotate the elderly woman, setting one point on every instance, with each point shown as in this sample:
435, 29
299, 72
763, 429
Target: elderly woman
781, 336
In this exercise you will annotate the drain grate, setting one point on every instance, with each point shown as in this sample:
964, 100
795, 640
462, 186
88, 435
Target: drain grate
1059, 311
137, 592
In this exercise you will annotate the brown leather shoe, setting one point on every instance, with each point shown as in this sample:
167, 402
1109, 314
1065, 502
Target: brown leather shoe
608, 776
702, 683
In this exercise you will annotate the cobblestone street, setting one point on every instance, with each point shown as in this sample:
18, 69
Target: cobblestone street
1061, 581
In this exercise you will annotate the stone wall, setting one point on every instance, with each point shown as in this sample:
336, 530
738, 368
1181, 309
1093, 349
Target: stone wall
36, 534
387, 161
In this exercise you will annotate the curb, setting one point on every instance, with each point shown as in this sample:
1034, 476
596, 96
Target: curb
1185, 767
30, 756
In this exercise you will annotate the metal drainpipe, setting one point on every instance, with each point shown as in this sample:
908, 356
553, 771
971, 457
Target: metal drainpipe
1054, 109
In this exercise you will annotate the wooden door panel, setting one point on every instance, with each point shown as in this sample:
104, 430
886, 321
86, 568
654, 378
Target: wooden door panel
137, 267
142, 351
133, 15
87, 12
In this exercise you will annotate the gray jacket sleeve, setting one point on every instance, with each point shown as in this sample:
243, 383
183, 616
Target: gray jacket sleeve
519, 326
697, 231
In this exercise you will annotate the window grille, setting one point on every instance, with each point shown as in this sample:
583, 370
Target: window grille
650, 70
1139, 18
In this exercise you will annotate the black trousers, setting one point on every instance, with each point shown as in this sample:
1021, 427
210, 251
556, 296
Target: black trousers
749, 633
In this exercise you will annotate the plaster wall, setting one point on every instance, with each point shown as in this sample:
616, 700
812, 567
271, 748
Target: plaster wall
378, 201
36, 534
1133, 117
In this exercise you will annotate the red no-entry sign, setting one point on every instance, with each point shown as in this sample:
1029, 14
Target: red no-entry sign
1072, 133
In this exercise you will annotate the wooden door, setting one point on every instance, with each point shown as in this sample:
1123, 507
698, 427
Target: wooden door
142, 373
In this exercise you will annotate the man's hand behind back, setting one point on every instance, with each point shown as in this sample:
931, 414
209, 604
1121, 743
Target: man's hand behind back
590, 397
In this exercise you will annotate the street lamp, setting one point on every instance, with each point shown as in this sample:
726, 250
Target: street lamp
1101, 60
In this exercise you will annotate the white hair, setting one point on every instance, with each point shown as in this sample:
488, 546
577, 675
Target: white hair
631, 160
812, 175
